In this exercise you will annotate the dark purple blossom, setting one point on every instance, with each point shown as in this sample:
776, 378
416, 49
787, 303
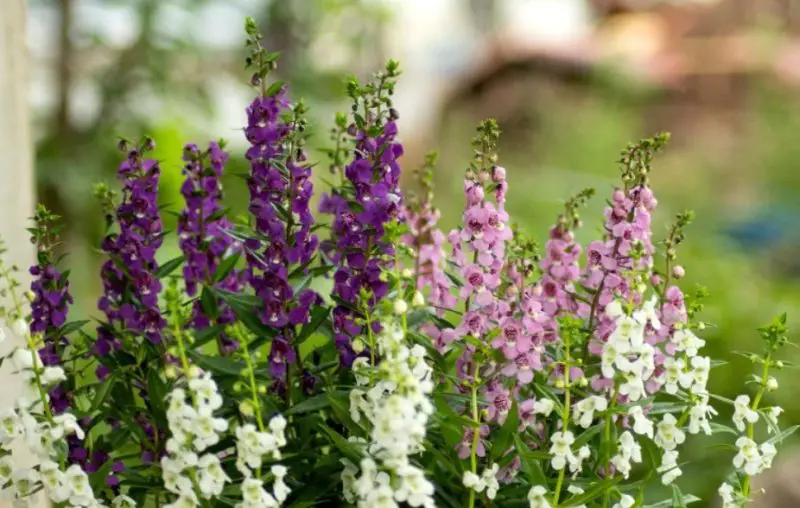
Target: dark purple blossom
205, 235
280, 190
361, 210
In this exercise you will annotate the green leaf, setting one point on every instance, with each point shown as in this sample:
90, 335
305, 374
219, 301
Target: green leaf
206, 335
530, 465
72, 326
502, 440
208, 302
218, 364
102, 394
315, 403
668, 503
318, 316
783, 435
718, 428
347, 448
597, 490
274, 88
226, 267
169, 267
244, 306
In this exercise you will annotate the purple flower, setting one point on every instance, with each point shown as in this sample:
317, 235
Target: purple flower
130, 287
280, 190
204, 236
361, 210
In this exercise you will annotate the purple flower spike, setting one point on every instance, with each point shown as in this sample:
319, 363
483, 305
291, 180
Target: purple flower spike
280, 190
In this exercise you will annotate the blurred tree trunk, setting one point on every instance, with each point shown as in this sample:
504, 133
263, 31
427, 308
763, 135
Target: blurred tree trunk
16, 168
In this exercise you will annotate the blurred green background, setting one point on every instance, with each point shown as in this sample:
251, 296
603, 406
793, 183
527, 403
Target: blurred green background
570, 82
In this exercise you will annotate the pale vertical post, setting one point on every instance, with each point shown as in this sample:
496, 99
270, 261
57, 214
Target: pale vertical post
16, 172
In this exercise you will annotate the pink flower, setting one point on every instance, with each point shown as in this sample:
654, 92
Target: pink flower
511, 340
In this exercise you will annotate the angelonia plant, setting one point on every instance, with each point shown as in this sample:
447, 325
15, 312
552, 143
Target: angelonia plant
468, 368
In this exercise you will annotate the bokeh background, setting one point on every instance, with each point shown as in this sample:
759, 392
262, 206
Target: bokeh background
570, 82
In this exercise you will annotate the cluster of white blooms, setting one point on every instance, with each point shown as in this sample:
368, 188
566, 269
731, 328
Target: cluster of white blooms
561, 450
586, 408
486, 481
751, 458
392, 399
32, 424
628, 451
252, 445
187, 472
626, 352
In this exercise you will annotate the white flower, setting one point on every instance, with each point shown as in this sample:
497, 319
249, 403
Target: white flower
400, 307
52, 375
20, 328
53, 481
629, 331
69, 424
668, 435
701, 368
25, 480
123, 501
576, 461
614, 309
614, 354
473, 481
669, 467
698, 417
211, 478
641, 424
633, 387
576, 491
748, 459
2, 336
649, 313
361, 368
206, 428
727, 494
184, 500
742, 412
489, 478
80, 491
772, 415
768, 453
24, 360
537, 497
585, 409
629, 451
772, 384
560, 450
543, 407
278, 425
625, 501
687, 342
254, 495
206, 391
414, 488
6, 468
674, 375
10, 426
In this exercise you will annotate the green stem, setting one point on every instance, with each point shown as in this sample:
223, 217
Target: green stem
566, 415
473, 455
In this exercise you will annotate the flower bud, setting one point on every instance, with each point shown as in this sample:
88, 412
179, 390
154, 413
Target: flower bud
779, 364
418, 300
194, 372
400, 307
701, 326
498, 174
772, 384
678, 272
170, 372
407, 272
655, 280
20, 328
30, 296
246, 408
357, 345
